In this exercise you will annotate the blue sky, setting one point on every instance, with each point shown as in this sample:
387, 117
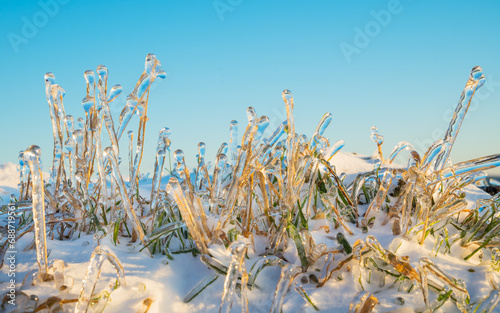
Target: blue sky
405, 67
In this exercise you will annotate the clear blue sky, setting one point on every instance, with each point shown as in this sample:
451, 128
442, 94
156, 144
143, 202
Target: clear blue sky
222, 56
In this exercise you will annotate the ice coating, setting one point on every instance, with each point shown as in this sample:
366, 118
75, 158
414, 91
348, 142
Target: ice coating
130, 136
379, 199
363, 302
275, 136
99, 256
233, 142
191, 215
398, 148
54, 94
32, 157
108, 152
476, 80
152, 70
102, 85
287, 274
235, 270
379, 140
89, 100
201, 171
162, 145
265, 187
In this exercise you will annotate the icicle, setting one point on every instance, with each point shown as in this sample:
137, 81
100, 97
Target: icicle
104, 100
323, 124
32, 157
135, 100
108, 152
130, 135
236, 270
398, 148
95, 126
287, 274
126, 114
379, 199
54, 95
476, 80
70, 147
23, 173
99, 256
199, 178
290, 148
471, 166
261, 125
233, 142
332, 151
81, 123
320, 129
190, 214
220, 164
280, 130
162, 146
89, 99
379, 140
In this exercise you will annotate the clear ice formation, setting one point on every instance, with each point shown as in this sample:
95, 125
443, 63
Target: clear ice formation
32, 157
379, 140
236, 271
55, 94
287, 274
162, 146
270, 185
194, 216
363, 302
476, 80
109, 153
99, 256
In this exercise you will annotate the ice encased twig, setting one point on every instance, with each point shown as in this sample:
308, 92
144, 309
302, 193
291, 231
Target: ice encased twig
99, 256
32, 157
236, 270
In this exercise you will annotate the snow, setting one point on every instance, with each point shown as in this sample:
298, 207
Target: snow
169, 281
9, 175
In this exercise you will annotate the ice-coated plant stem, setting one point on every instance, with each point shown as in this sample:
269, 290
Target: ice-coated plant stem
287, 274
99, 256
476, 80
236, 270
54, 94
137, 101
233, 142
117, 176
162, 146
102, 85
32, 157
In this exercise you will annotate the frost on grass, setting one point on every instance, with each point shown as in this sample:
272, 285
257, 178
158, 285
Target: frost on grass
272, 198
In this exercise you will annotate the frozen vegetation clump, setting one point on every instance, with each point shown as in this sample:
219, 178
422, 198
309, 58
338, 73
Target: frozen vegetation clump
266, 194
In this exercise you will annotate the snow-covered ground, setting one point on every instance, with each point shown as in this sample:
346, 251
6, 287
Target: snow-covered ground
169, 281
